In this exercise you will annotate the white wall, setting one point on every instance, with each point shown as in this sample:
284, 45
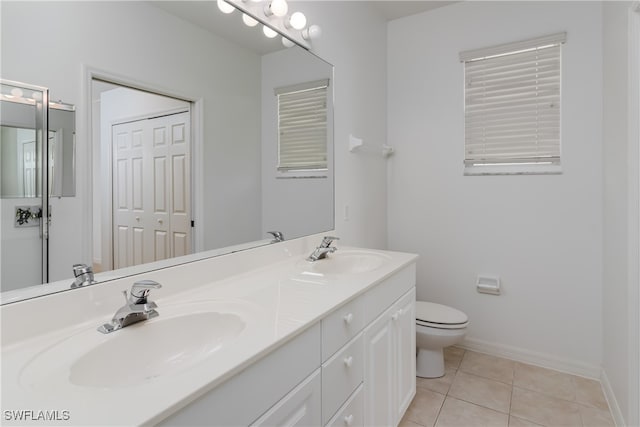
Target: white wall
295, 206
620, 358
541, 234
354, 41
64, 37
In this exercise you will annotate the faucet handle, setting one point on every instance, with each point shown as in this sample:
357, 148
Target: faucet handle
140, 290
327, 240
79, 269
277, 236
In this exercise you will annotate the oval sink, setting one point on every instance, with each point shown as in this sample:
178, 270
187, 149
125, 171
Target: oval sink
180, 338
142, 351
348, 262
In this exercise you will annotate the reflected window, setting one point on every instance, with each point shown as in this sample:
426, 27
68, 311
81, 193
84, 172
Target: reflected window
302, 127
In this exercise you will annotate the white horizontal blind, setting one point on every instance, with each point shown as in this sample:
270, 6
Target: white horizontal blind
302, 126
512, 103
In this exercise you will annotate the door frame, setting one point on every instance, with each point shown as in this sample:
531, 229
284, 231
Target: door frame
197, 140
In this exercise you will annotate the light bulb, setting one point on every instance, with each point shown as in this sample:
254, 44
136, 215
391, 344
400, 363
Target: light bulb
268, 32
287, 43
277, 8
17, 92
312, 33
225, 7
249, 21
297, 20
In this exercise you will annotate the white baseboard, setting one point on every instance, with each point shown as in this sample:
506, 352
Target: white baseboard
616, 413
534, 358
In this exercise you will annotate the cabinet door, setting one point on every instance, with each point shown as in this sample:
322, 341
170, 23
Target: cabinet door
379, 372
405, 347
301, 407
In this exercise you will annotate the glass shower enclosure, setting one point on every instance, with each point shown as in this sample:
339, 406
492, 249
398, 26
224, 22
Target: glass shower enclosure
23, 203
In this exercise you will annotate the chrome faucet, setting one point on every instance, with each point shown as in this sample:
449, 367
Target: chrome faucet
325, 248
277, 236
136, 309
83, 274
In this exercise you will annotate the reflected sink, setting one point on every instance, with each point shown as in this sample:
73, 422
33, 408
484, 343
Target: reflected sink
347, 262
144, 351
180, 338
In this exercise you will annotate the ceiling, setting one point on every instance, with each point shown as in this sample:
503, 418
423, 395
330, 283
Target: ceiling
391, 9
205, 14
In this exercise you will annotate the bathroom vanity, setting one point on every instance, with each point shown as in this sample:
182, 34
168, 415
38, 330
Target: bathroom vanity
260, 337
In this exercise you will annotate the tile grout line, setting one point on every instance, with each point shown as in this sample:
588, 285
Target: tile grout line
510, 402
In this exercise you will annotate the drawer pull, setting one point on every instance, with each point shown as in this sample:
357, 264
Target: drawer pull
348, 318
348, 419
348, 361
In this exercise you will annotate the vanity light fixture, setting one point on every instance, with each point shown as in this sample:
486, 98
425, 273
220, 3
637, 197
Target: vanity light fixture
16, 92
287, 43
276, 8
225, 7
268, 32
248, 20
292, 25
296, 20
312, 33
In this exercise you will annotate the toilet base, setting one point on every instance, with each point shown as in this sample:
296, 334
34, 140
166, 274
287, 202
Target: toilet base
430, 363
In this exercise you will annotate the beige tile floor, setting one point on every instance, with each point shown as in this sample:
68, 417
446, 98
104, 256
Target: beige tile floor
482, 390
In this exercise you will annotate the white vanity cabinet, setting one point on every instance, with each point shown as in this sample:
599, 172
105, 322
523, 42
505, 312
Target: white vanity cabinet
356, 367
389, 378
381, 354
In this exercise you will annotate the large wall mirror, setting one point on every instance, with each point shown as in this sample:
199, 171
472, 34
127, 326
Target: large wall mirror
181, 112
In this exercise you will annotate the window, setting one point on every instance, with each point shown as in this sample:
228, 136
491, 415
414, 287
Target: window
302, 127
512, 107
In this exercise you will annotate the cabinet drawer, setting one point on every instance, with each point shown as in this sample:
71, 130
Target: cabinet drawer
352, 412
341, 375
301, 407
341, 325
389, 290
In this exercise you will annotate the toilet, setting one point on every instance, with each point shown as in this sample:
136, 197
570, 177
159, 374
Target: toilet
437, 326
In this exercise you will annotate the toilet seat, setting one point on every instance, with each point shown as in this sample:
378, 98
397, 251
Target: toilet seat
439, 316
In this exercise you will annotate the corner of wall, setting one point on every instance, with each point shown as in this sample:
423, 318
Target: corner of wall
616, 412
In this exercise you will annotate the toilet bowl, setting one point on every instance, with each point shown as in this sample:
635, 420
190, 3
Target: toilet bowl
437, 326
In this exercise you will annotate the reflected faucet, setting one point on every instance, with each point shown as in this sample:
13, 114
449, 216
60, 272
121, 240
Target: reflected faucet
277, 236
136, 309
325, 248
83, 274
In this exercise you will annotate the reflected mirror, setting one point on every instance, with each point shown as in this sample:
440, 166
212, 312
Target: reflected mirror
19, 158
180, 133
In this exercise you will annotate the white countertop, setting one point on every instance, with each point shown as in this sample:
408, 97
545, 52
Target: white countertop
276, 301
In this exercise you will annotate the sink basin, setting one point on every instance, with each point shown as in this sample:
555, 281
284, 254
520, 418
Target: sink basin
142, 352
347, 262
180, 338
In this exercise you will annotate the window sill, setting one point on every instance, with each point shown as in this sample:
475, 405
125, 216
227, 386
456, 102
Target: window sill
302, 174
531, 169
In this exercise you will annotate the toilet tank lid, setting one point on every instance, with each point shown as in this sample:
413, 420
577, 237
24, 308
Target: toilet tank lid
438, 313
